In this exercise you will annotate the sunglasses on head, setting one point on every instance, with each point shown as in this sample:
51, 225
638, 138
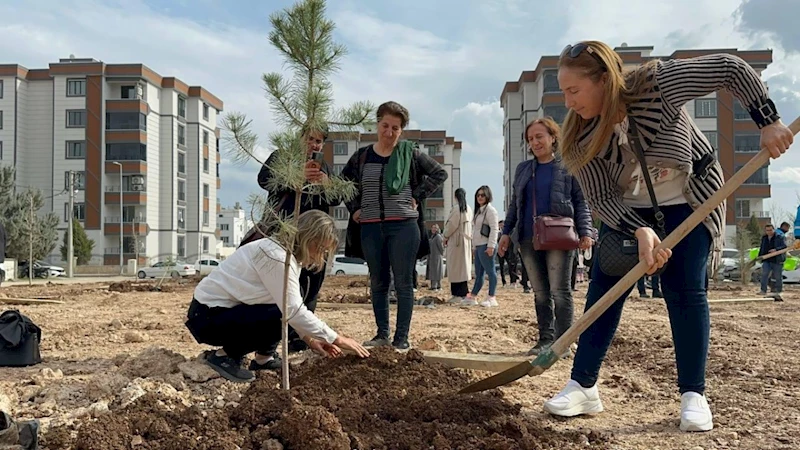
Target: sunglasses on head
573, 51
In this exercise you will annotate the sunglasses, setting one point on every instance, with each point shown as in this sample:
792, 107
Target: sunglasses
573, 51
481, 195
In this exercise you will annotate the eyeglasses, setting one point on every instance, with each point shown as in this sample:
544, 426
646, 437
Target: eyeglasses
481, 194
573, 51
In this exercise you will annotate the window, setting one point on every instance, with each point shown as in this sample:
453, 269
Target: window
760, 177
557, 112
1, 149
340, 213
1, 119
126, 121
747, 142
181, 246
217, 170
705, 108
205, 191
430, 214
126, 151
337, 169
205, 218
181, 190
739, 111
434, 150
205, 244
181, 135
76, 118
438, 194
205, 137
79, 182
550, 83
181, 162
205, 164
205, 111
742, 208
712, 138
128, 92
224, 227
340, 148
181, 218
181, 106
128, 214
78, 211
76, 88
76, 149
1, 88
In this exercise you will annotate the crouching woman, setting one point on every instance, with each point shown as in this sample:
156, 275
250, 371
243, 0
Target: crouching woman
239, 305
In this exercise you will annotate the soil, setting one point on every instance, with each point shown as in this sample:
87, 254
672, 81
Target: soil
120, 370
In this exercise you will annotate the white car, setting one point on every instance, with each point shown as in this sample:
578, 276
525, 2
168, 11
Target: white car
345, 265
175, 270
204, 266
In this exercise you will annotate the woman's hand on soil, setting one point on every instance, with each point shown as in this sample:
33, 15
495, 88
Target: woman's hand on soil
350, 344
325, 349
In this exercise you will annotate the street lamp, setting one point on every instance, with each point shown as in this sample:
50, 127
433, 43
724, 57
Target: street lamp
121, 224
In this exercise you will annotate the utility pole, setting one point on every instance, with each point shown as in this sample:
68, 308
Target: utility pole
70, 237
121, 220
30, 245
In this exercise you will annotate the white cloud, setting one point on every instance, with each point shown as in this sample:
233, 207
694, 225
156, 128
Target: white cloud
480, 126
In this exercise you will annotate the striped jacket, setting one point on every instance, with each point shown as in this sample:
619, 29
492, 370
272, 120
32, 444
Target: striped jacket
670, 139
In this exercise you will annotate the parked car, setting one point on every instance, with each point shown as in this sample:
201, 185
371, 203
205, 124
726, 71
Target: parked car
204, 266
175, 270
40, 270
345, 265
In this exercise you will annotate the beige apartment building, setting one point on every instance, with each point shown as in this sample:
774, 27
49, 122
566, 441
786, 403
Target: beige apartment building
719, 115
445, 149
127, 132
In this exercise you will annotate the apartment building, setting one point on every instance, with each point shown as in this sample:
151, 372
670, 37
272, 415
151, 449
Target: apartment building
233, 223
721, 117
445, 149
144, 147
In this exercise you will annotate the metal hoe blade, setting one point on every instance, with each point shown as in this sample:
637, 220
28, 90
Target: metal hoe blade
535, 367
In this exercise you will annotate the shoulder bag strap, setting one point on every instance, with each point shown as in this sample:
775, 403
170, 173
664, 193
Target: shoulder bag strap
637, 146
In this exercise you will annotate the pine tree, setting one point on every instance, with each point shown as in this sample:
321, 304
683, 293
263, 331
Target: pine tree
304, 37
15, 212
82, 246
755, 230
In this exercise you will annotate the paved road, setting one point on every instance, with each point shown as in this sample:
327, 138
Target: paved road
65, 280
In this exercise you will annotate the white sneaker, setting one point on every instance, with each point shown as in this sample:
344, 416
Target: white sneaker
469, 301
695, 413
455, 300
575, 400
489, 302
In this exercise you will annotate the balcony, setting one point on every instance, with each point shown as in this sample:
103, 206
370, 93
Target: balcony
112, 228
128, 167
758, 214
131, 105
128, 197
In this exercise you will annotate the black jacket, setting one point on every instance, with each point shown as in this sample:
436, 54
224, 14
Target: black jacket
286, 197
777, 242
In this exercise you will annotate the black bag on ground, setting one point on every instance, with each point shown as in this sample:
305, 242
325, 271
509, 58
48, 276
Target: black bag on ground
19, 340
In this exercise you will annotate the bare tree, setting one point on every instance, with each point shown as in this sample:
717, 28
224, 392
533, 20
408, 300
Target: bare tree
301, 103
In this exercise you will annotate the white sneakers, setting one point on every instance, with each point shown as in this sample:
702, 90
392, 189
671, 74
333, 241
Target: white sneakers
695, 413
576, 400
489, 302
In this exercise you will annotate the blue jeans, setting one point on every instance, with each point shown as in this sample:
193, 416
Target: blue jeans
684, 285
775, 269
550, 273
484, 265
391, 245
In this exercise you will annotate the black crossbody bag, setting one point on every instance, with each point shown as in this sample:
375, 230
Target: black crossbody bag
618, 251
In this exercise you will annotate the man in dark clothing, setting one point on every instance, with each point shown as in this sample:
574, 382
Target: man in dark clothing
770, 242
3, 238
310, 282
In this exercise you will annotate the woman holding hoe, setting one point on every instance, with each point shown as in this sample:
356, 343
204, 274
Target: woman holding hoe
616, 119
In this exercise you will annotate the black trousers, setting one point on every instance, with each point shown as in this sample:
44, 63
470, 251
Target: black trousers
239, 330
460, 289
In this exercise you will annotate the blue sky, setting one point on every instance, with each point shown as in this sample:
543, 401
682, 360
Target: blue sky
445, 60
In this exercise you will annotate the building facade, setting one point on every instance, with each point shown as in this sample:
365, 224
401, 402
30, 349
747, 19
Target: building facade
233, 223
127, 132
446, 150
721, 117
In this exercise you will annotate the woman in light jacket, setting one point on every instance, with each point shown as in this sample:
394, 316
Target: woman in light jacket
543, 186
485, 229
458, 251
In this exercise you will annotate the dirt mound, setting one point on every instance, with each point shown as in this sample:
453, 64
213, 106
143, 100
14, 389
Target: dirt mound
389, 400
132, 286
338, 297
